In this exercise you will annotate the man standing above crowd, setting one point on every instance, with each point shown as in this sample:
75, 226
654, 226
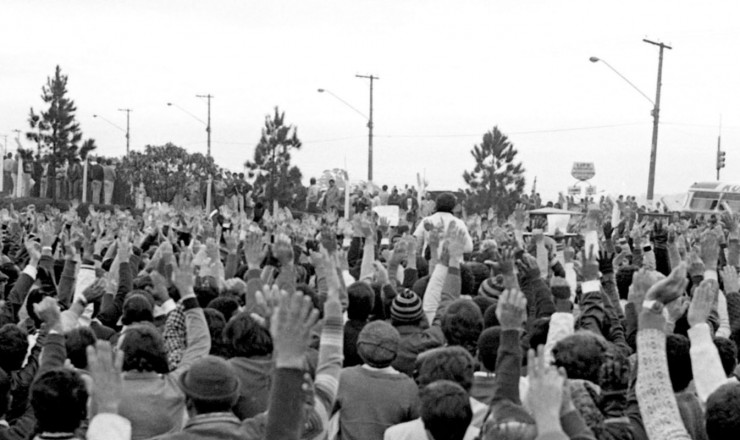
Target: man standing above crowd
109, 180
442, 218
97, 174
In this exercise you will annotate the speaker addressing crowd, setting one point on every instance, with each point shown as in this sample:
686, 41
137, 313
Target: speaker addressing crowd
257, 322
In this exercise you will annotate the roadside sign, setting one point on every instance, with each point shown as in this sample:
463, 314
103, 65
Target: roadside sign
583, 170
574, 190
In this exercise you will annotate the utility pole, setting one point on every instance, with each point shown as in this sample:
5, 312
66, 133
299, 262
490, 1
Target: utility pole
720, 154
128, 128
656, 119
370, 129
208, 97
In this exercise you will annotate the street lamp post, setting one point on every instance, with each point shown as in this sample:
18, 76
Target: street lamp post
128, 127
207, 124
368, 118
126, 130
655, 112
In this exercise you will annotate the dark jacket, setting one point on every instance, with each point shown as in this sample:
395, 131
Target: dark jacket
255, 379
415, 339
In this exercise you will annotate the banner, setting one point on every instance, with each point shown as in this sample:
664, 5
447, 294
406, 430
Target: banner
389, 212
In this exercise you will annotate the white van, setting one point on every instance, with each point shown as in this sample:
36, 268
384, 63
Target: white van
712, 197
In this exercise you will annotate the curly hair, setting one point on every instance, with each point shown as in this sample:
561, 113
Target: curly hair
13, 346
143, 349
246, 337
445, 410
462, 324
581, 354
76, 341
727, 353
448, 363
59, 401
722, 422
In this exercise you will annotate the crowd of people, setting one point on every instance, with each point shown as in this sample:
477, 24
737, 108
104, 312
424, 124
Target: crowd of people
175, 323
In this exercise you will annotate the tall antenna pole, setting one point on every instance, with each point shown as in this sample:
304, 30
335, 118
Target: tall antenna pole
370, 129
656, 119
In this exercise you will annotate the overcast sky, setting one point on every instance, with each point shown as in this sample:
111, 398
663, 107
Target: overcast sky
449, 71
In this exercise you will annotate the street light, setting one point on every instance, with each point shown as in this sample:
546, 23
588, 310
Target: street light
369, 120
655, 113
207, 124
126, 130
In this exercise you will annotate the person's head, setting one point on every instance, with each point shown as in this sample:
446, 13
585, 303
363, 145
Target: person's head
361, 301
446, 203
313, 181
377, 344
228, 306
385, 187
210, 386
143, 349
721, 414
581, 354
331, 182
679, 361
76, 341
462, 324
406, 309
13, 346
137, 309
489, 317
216, 325
445, 410
727, 353
446, 363
246, 337
59, 401
540, 327
488, 344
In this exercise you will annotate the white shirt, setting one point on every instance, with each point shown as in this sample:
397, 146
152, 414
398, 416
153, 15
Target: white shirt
443, 218
414, 430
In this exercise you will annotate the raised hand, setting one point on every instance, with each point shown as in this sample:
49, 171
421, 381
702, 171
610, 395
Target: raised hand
511, 310
290, 327
710, 250
671, 287
105, 366
48, 312
545, 395
701, 303
282, 249
159, 287
34, 251
254, 250
730, 279
94, 291
520, 216
329, 239
232, 241
183, 277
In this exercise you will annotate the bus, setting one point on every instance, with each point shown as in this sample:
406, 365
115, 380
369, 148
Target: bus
712, 197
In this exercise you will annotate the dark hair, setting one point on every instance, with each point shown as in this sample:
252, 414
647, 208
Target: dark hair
462, 324
447, 363
313, 180
137, 308
226, 305
4, 392
467, 281
361, 301
245, 337
13, 346
76, 341
446, 202
211, 406
488, 344
489, 316
679, 361
727, 353
581, 354
143, 350
445, 410
204, 291
721, 412
216, 325
59, 401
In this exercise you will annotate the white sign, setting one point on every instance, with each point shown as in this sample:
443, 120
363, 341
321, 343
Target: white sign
591, 190
583, 170
389, 212
574, 190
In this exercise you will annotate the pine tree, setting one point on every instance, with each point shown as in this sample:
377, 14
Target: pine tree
498, 179
274, 177
55, 130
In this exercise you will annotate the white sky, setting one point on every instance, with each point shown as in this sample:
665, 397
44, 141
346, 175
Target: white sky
450, 70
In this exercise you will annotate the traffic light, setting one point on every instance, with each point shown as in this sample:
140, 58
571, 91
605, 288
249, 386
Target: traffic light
721, 159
